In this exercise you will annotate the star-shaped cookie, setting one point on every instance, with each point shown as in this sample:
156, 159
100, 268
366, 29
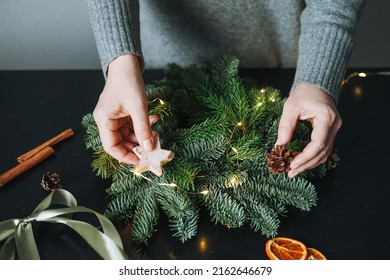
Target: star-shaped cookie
153, 160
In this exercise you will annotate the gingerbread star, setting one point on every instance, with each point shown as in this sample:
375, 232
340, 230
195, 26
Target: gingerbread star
153, 160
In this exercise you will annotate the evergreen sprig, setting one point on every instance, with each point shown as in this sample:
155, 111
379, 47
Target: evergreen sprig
220, 126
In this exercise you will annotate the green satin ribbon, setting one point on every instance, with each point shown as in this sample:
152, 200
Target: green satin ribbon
19, 237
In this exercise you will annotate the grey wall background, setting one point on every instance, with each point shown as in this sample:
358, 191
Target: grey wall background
56, 34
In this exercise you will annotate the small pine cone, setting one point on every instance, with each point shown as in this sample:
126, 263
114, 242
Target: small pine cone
332, 160
51, 181
279, 159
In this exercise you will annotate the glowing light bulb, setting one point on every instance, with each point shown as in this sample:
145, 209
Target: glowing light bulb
235, 150
205, 192
259, 104
262, 90
239, 124
362, 74
161, 102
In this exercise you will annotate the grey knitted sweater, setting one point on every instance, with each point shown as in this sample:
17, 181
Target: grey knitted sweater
315, 36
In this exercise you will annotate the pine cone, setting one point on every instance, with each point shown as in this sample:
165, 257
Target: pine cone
51, 181
332, 160
279, 159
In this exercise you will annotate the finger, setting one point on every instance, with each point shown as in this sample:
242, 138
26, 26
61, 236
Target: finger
128, 134
317, 151
131, 138
287, 124
153, 119
130, 141
128, 122
109, 135
123, 155
143, 130
110, 138
129, 146
308, 165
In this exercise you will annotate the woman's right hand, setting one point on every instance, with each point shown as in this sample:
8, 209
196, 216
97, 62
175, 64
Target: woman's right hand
121, 113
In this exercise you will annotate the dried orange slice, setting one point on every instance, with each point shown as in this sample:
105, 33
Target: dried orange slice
283, 248
314, 254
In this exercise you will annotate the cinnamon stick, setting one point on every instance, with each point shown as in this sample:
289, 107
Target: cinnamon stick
25, 165
56, 139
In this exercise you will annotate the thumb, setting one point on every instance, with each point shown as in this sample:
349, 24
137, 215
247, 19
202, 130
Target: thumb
143, 131
288, 122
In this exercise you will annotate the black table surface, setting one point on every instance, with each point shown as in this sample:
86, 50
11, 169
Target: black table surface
350, 221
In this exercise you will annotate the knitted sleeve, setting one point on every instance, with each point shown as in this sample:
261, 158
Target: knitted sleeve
116, 26
326, 42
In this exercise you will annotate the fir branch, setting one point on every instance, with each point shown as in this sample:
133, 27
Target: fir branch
197, 82
161, 108
91, 138
260, 214
145, 216
184, 226
202, 151
262, 218
297, 145
103, 164
124, 195
181, 172
158, 92
120, 209
169, 124
240, 104
123, 171
271, 130
224, 209
246, 146
220, 108
131, 184
210, 103
222, 179
87, 120
209, 128
182, 212
296, 192
222, 71
257, 165
173, 71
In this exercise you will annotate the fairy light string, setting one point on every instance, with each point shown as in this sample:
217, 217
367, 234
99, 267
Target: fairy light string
364, 75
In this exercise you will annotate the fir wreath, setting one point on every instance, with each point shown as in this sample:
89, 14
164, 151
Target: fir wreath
220, 127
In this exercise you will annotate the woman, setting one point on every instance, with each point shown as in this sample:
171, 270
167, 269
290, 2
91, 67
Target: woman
315, 36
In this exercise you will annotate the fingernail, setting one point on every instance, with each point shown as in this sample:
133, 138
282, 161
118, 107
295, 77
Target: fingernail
148, 144
294, 166
292, 174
